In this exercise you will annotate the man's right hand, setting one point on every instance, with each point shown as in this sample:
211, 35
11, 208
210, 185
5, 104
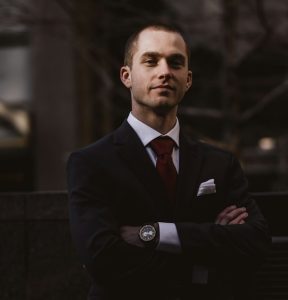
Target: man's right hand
232, 215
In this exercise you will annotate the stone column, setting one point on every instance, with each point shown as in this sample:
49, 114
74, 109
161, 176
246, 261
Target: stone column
54, 101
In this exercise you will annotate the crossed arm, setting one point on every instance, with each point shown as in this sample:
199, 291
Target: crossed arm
231, 215
110, 254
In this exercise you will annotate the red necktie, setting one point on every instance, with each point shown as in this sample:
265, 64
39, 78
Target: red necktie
163, 147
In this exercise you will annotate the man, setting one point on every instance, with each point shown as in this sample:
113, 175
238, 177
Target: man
156, 225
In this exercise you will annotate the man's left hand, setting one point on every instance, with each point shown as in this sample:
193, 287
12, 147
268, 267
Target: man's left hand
232, 215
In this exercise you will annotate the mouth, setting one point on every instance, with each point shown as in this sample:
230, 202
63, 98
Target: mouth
163, 87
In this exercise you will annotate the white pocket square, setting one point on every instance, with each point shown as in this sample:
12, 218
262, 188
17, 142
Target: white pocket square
207, 187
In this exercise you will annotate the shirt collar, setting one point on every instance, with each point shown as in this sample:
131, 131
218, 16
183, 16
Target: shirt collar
147, 134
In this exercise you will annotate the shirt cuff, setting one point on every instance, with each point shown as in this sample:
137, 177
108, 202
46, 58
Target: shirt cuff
168, 238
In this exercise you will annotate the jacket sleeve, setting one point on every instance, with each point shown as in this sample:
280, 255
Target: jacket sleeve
215, 244
95, 230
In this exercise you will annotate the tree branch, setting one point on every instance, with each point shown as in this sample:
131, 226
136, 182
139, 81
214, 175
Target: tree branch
268, 99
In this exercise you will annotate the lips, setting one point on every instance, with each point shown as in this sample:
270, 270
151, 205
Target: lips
163, 86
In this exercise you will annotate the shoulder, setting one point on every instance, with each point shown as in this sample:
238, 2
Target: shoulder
94, 149
209, 149
104, 148
206, 149
87, 159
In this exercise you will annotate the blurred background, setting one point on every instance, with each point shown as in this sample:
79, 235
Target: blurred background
60, 87
60, 90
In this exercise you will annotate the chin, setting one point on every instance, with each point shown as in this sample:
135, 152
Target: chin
164, 108
166, 102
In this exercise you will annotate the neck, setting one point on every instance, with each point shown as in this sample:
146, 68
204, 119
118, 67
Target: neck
163, 123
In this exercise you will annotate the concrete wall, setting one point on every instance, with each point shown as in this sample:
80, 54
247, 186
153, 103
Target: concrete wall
37, 259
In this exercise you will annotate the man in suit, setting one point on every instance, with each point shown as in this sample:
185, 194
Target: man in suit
155, 215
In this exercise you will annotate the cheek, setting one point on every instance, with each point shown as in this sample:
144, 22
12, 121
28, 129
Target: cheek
139, 84
184, 84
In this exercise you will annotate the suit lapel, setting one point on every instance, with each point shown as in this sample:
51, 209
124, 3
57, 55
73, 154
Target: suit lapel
190, 161
133, 153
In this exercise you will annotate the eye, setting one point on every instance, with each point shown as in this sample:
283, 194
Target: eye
176, 61
151, 62
176, 64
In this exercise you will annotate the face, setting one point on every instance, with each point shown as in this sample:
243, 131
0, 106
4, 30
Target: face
159, 75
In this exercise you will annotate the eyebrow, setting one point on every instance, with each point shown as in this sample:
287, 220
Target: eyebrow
179, 56
150, 54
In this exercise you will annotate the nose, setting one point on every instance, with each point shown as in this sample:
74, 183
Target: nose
164, 70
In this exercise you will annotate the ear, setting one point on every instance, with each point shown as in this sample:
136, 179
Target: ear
189, 80
125, 76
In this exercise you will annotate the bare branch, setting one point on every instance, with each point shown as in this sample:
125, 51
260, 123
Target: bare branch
260, 40
16, 12
268, 99
262, 17
66, 7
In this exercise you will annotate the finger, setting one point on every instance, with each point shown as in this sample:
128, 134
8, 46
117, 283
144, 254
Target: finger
224, 212
227, 218
239, 219
222, 216
228, 209
236, 212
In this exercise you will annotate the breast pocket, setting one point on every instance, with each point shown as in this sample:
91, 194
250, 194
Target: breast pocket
206, 207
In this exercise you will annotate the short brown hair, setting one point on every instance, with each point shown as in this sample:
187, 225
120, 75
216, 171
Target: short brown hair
132, 40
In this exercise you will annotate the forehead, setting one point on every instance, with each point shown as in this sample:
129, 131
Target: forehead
164, 42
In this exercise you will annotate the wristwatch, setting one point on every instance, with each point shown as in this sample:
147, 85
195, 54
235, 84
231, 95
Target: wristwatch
148, 235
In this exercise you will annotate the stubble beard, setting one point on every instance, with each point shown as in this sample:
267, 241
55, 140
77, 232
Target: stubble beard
161, 108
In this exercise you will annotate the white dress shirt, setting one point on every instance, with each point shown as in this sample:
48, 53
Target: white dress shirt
168, 235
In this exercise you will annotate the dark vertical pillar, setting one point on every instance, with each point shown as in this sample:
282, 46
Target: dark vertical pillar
54, 104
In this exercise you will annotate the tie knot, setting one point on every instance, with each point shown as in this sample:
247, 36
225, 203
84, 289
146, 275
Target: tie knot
162, 145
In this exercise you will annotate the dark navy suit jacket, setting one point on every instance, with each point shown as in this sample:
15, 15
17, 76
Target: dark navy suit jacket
113, 183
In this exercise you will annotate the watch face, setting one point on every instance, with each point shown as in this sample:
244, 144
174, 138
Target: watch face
147, 233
